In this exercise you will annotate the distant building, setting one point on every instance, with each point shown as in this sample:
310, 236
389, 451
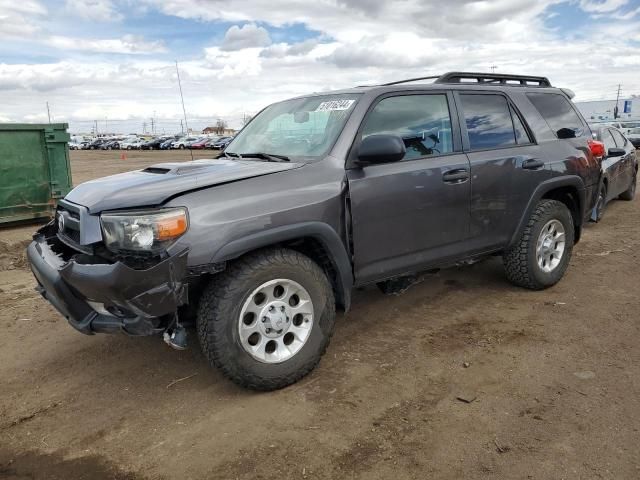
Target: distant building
603, 110
215, 130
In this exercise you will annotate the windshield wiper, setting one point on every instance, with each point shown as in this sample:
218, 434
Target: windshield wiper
270, 157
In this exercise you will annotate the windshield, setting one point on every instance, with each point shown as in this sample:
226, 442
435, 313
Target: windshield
302, 127
634, 131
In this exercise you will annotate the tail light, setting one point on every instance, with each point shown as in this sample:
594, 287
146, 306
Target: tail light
596, 147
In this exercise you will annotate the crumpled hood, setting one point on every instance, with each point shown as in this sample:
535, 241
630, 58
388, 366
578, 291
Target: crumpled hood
155, 184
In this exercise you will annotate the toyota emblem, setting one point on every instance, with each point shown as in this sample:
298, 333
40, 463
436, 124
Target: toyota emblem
60, 222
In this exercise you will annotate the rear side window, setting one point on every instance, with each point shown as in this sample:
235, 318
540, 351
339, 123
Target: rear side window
607, 139
488, 121
422, 121
559, 114
619, 138
522, 137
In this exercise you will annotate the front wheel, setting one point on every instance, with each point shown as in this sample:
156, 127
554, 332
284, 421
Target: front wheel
601, 203
541, 255
267, 320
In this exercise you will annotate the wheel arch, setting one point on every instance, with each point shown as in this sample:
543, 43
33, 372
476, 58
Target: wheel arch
317, 240
569, 190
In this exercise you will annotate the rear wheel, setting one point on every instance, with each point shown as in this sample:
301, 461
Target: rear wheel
181, 147
630, 193
541, 256
267, 320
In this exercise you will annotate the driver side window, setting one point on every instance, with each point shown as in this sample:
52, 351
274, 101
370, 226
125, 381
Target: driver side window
422, 121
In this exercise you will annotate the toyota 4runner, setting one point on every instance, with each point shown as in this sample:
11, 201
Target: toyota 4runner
318, 195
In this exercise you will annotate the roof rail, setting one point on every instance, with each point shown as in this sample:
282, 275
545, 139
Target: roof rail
398, 82
493, 78
483, 78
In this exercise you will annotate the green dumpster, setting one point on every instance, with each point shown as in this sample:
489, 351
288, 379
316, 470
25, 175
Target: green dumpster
34, 170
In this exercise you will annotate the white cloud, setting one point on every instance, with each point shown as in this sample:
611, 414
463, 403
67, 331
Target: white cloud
358, 42
19, 19
130, 44
602, 6
247, 36
97, 10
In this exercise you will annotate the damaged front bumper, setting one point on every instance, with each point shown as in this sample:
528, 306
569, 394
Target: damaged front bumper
96, 296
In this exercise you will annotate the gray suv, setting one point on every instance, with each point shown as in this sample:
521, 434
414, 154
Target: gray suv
315, 196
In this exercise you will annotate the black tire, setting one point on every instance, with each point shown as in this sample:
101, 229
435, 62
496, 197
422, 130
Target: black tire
181, 147
520, 261
630, 193
219, 314
601, 203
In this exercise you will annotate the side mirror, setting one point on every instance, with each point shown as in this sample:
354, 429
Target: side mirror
616, 152
381, 149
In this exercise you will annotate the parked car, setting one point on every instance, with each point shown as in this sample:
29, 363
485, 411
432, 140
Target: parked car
624, 126
153, 144
166, 145
634, 137
183, 142
221, 143
200, 143
619, 169
112, 144
96, 144
131, 143
74, 145
317, 195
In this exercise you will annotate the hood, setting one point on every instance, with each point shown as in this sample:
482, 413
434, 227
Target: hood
156, 184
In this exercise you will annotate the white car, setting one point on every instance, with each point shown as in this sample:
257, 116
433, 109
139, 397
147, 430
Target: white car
634, 136
183, 142
131, 144
625, 127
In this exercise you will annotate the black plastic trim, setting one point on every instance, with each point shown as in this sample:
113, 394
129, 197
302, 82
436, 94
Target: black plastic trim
317, 230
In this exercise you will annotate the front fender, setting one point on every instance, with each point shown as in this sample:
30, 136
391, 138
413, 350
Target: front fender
319, 231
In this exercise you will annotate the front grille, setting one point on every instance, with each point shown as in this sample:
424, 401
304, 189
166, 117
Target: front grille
73, 235
69, 227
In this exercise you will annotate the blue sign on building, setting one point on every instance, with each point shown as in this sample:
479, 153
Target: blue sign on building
627, 106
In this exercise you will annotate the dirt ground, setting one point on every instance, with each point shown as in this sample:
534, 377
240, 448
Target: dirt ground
552, 377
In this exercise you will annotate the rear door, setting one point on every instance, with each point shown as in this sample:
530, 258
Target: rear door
611, 165
506, 165
627, 164
410, 213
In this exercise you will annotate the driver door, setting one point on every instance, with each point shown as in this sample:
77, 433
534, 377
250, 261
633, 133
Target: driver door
407, 214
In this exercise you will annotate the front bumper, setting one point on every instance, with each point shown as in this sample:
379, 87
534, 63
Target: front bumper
136, 302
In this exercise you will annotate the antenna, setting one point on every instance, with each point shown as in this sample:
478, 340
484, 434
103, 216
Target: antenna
184, 112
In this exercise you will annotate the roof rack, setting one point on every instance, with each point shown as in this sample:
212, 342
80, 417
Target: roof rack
482, 78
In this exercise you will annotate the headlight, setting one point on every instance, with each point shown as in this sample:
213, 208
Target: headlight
147, 231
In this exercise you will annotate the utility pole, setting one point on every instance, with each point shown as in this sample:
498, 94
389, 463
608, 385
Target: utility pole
493, 68
615, 110
153, 128
181, 127
96, 125
48, 112
144, 127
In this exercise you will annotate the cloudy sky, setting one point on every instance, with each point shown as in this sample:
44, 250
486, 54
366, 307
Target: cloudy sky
113, 60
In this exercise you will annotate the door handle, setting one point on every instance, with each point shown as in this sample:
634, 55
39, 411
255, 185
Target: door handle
456, 176
532, 164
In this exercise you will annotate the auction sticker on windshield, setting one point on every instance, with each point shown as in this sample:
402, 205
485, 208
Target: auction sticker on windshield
335, 105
